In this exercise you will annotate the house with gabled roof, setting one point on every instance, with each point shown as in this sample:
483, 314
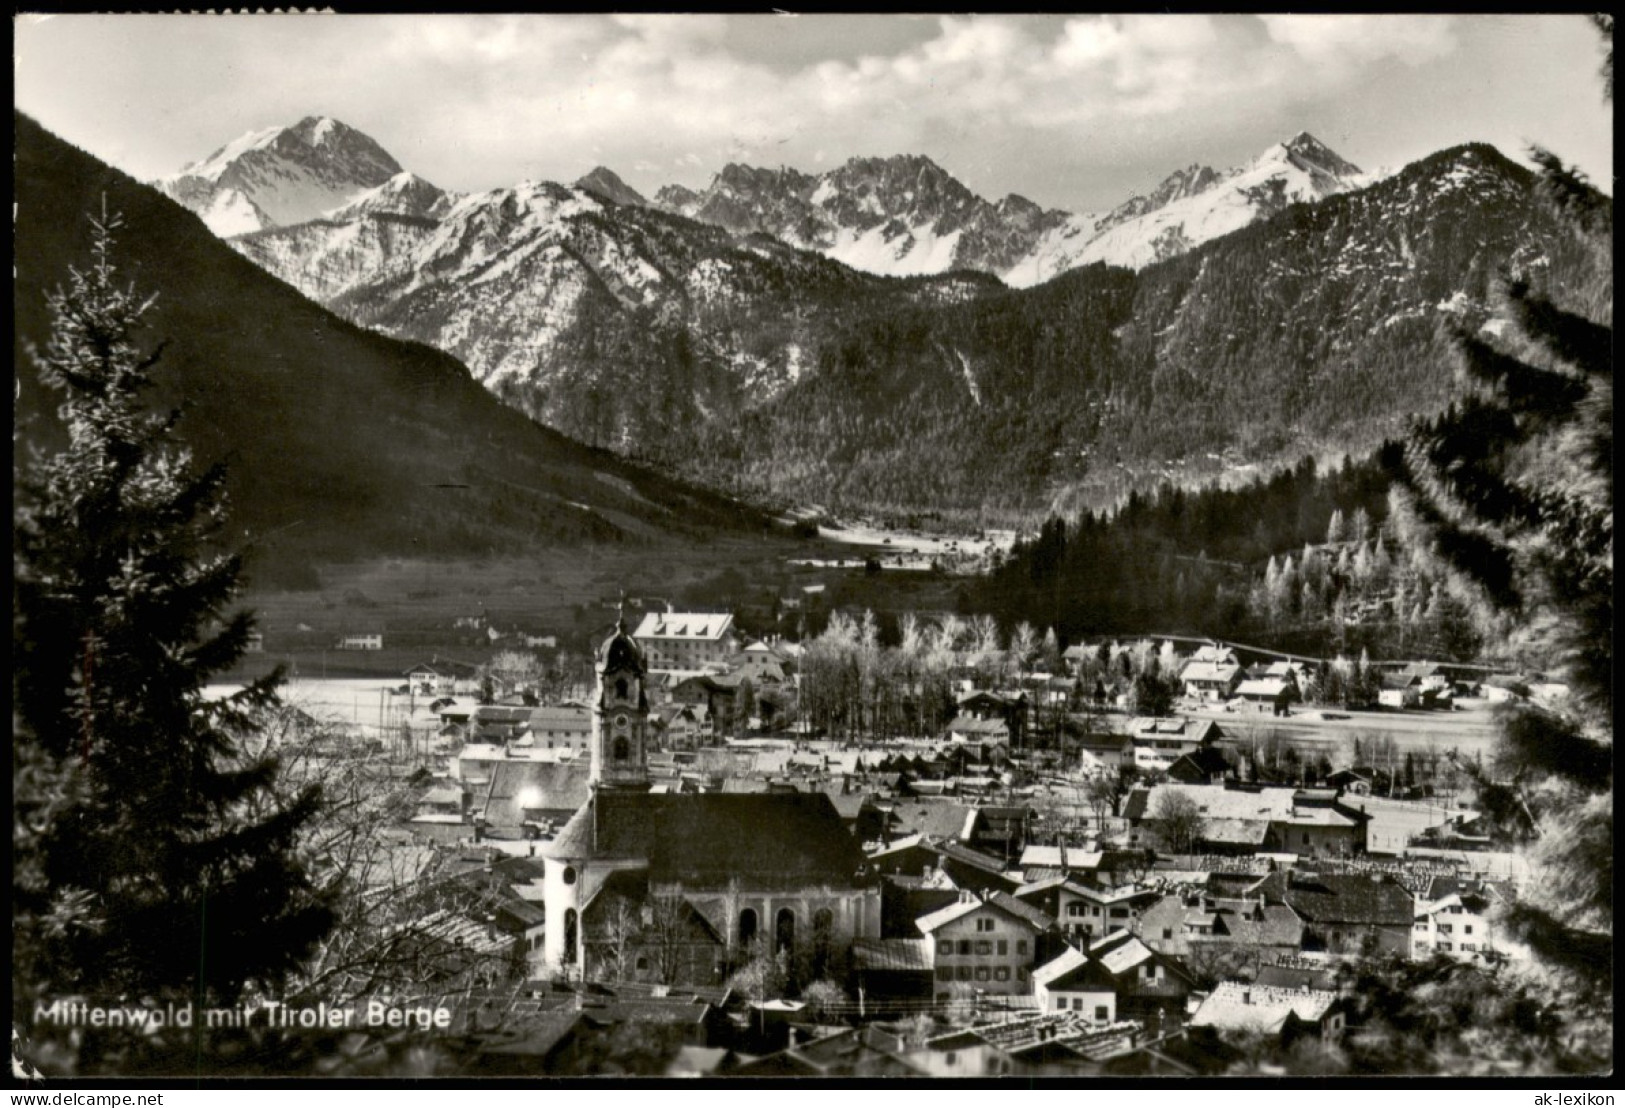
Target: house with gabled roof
1074, 982
895, 971
1160, 742
962, 1053
1087, 911
1103, 753
1248, 819
559, 727
527, 797
853, 1052
1274, 691
443, 677
984, 945
1211, 678
1261, 1009
1345, 912
1149, 984
973, 869
1455, 917
1181, 924
1204, 766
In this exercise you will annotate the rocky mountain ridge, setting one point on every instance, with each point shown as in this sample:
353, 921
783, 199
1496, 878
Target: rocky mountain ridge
281, 176
702, 339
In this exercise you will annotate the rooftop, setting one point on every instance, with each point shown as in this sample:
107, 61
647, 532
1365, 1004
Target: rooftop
1237, 1006
684, 626
891, 955
773, 839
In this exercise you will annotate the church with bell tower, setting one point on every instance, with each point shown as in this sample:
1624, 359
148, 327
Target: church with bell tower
620, 716
714, 877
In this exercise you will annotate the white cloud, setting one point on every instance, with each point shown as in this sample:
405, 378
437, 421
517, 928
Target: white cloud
1349, 41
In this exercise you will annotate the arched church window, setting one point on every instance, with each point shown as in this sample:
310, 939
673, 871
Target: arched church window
747, 926
823, 937
623, 750
569, 875
620, 688
569, 935
784, 930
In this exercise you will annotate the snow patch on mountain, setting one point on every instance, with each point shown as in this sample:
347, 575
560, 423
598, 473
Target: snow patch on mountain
228, 212
895, 251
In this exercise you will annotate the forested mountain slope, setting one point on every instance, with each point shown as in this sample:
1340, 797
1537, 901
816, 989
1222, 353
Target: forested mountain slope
341, 442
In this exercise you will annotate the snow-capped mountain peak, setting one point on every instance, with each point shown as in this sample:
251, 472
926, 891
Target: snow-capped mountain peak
281, 175
1194, 205
405, 194
1305, 149
606, 184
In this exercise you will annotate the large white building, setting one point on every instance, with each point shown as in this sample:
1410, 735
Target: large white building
691, 641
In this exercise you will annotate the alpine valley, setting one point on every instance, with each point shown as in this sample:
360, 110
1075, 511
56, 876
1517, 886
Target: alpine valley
878, 337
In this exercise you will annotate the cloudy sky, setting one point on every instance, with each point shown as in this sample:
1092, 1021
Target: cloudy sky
1075, 112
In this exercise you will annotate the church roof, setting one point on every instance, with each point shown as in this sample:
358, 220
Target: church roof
703, 839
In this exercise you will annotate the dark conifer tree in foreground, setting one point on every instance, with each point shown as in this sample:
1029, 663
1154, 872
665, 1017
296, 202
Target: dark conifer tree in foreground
1511, 492
153, 863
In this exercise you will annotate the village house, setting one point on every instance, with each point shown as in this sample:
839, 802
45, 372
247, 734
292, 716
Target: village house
1245, 819
526, 798
986, 945
560, 727
1074, 982
851, 1052
893, 973
1418, 685
962, 1053
1285, 1014
443, 678
973, 869
975, 729
1074, 657
1159, 743
1149, 986
1089, 912
373, 641
1212, 674
998, 829
1060, 1043
1104, 754
1345, 913
1395, 690
1189, 925
1454, 918
1275, 686
683, 726
1204, 766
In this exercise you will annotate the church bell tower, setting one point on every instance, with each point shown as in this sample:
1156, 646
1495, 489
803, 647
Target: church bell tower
620, 715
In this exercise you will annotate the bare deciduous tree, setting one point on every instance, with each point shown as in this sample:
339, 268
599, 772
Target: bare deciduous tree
1178, 820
